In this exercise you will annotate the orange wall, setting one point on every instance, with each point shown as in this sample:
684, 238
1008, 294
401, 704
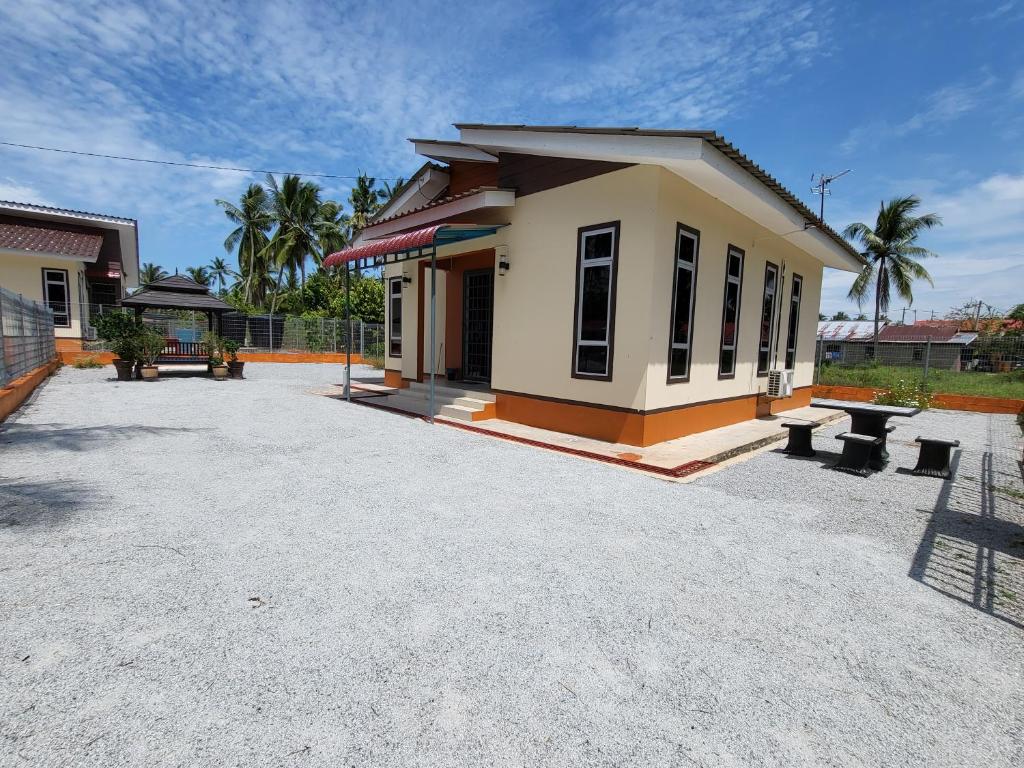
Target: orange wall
15, 393
453, 305
945, 401
70, 350
632, 428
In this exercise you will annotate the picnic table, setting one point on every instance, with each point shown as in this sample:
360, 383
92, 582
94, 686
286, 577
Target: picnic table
868, 419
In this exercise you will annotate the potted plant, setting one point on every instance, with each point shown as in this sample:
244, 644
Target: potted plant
215, 350
121, 332
234, 364
150, 345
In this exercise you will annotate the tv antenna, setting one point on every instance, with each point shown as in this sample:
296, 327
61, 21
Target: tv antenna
821, 182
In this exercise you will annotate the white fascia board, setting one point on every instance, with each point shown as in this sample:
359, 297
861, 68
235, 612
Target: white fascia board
46, 255
490, 198
616, 148
427, 187
455, 151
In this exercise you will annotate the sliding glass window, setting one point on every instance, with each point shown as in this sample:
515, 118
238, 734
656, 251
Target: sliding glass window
395, 316
731, 312
684, 284
768, 297
596, 263
794, 320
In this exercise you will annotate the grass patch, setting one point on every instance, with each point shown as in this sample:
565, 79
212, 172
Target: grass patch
1009, 384
89, 361
373, 360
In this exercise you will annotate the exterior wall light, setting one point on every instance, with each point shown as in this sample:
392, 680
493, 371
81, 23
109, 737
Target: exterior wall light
504, 265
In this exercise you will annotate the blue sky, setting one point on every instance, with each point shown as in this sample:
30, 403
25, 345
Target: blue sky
924, 98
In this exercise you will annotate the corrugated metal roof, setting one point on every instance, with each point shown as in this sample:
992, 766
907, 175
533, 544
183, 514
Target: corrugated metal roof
847, 330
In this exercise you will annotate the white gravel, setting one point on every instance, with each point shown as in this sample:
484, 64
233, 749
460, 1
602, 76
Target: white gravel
245, 574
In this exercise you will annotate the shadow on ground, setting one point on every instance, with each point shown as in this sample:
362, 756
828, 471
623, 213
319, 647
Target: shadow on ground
972, 549
24, 503
68, 438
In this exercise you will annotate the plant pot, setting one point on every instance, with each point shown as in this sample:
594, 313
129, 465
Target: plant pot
220, 372
235, 369
124, 369
150, 373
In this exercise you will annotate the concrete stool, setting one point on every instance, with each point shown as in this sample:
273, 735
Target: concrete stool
856, 453
799, 439
933, 461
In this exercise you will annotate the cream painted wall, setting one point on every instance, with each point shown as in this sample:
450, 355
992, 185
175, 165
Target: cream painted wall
439, 323
719, 226
534, 302
23, 274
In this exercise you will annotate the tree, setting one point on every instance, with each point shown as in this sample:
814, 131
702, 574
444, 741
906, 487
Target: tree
840, 315
861, 317
332, 230
388, 191
250, 236
295, 207
365, 201
1017, 313
890, 251
150, 273
219, 271
199, 274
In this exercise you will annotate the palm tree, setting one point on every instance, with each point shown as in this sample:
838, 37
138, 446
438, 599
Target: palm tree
332, 230
150, 273
295, 207
890, 252
365, 201
199, 274
385, 194
254, 222
219, 271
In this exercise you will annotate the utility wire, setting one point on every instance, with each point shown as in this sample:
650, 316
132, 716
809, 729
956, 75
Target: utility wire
185, 165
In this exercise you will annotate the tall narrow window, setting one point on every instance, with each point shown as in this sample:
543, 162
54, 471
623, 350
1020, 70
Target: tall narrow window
596, 263
794, 320
57, 296
395, 316
771, 290
684, 282
731, 312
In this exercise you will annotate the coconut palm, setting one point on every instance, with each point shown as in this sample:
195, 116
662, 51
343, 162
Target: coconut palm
295, 207
150, 273
332, 230
220, 271
254, 222
199, 274
388, 191
364, 200
890, 251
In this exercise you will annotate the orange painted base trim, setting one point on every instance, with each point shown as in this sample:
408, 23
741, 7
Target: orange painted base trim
944, 401
15, 393
394, 379
297, 357
640, 429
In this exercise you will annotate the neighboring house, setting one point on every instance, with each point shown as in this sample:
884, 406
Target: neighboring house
623, 284
74, 262
941, 345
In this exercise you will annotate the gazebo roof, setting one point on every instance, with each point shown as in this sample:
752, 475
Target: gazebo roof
176, 292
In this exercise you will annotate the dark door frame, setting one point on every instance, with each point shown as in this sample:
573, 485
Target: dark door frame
466, 275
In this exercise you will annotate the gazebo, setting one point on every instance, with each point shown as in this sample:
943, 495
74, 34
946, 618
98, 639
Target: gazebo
179, 292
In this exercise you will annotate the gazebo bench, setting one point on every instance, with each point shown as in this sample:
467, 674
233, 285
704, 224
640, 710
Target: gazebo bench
856, 453
183, 353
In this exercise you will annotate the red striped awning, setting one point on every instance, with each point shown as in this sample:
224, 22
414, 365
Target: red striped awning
409, 241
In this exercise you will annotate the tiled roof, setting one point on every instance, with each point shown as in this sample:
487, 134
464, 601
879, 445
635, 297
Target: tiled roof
43, 239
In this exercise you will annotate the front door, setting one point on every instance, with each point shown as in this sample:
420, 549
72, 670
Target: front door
477, 322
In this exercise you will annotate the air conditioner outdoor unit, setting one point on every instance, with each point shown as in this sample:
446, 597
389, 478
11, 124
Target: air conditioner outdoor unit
780, 383
90, 333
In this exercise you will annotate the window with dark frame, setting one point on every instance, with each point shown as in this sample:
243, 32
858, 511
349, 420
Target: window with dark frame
771, 290
596, 263
395, 316
57, 296
684, 281
794, 320
731, 312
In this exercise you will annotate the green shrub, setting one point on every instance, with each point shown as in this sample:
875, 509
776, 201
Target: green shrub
908, 394
150, 344
89, 361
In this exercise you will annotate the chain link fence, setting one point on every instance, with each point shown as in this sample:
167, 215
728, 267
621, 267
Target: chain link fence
955, 363
26, 335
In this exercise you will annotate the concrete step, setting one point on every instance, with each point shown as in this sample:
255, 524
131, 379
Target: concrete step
459, 412
472, 402
451, 391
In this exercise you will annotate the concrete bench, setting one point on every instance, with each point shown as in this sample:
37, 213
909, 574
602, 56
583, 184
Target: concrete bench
799, 439
933, 460
856, 452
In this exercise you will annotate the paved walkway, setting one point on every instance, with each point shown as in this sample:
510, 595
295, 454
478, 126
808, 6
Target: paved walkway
243, 573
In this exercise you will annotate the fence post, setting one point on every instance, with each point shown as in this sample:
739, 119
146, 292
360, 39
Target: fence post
821, 353
270, 335
362, 337
3, 347
927, 360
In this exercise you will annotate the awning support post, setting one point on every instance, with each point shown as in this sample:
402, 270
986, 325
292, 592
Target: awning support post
433, 328
348, 332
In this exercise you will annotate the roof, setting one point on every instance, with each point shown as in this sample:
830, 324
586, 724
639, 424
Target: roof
712, 138
176, 292
76, 244
423, 239
441, 201
846, 330
423, 169
30, 207
919, 334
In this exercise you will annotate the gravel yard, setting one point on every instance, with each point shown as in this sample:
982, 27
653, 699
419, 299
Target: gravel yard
247, 574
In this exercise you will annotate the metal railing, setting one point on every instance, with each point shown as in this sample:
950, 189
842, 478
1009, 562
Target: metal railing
26, 335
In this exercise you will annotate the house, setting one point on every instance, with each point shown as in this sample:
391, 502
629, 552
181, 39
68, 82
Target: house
76, 263
623, 284
940, 345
